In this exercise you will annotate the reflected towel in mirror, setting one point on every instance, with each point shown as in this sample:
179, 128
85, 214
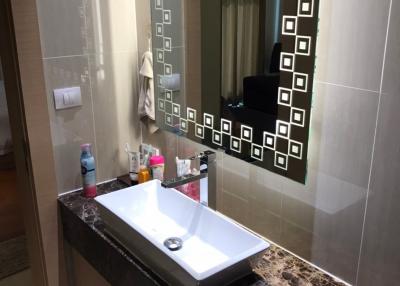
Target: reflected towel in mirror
146, 96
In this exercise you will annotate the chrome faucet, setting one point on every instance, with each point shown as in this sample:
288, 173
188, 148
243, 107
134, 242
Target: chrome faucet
207, 177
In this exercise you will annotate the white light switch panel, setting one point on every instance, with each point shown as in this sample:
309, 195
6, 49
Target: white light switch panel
67, 97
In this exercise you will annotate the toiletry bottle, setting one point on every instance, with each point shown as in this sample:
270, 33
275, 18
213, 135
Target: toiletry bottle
144, 175
134, 164
88, 170
157, 167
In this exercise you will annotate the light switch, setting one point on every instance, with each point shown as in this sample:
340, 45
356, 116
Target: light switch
67, 97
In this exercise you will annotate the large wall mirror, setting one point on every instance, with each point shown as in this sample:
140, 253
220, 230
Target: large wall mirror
238, 75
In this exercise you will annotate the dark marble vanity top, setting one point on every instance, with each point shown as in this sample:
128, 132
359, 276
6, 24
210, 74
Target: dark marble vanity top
85, 231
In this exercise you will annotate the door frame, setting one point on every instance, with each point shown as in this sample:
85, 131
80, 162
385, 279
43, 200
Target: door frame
30, 127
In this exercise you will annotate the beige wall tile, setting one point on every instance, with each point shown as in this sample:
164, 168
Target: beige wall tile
143, 23
63, 27
101, 37
111, 26
70, 127
114, 90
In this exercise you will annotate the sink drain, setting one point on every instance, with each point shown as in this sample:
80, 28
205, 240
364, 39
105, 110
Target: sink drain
173, 243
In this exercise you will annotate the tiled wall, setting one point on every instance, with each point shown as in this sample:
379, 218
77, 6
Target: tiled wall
326, 220
380, 252
91, 44
354, 126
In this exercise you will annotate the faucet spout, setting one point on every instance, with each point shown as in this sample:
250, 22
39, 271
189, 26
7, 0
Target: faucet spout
207, 178
182, 180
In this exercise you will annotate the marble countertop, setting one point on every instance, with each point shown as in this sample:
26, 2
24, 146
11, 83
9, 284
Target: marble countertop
80, 218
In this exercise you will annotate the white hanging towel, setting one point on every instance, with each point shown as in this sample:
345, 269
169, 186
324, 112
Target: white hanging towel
146, 96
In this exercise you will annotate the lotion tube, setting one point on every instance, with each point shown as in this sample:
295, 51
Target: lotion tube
134, 165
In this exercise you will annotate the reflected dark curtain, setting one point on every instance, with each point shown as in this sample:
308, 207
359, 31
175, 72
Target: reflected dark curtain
241, 52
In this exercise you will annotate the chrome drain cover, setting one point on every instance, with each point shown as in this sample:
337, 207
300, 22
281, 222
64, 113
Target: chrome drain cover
173, 243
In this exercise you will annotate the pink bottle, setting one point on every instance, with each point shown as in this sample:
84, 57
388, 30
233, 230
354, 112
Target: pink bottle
157, 164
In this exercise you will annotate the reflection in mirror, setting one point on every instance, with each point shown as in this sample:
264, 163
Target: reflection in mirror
250, 54
238, 75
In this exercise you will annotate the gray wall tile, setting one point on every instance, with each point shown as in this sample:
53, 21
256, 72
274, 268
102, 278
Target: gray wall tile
380, 257
345, 121
351, 42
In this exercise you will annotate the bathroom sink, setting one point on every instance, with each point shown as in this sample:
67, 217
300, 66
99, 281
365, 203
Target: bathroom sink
181, 240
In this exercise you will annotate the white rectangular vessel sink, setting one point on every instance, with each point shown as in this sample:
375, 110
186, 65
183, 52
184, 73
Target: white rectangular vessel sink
210, 249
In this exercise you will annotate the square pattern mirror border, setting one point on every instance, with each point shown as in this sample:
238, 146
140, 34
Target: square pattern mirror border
284, 152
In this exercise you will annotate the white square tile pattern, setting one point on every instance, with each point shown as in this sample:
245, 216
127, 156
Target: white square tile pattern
269, 140
159, 4
295, 149
168, 95
289, 26
160, 56
217, 138
247, 133
159, 30
161, 104
199, 131
303, 45
297, 117
191, 115
208, 120
168, 119
176, 109
283, 129
226, 126
257, 152
300, 82
167, 16
184, 125
167, 69
285, 95
306, 8
287, 62
281, 160
236, 144
159, 81
167, 42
